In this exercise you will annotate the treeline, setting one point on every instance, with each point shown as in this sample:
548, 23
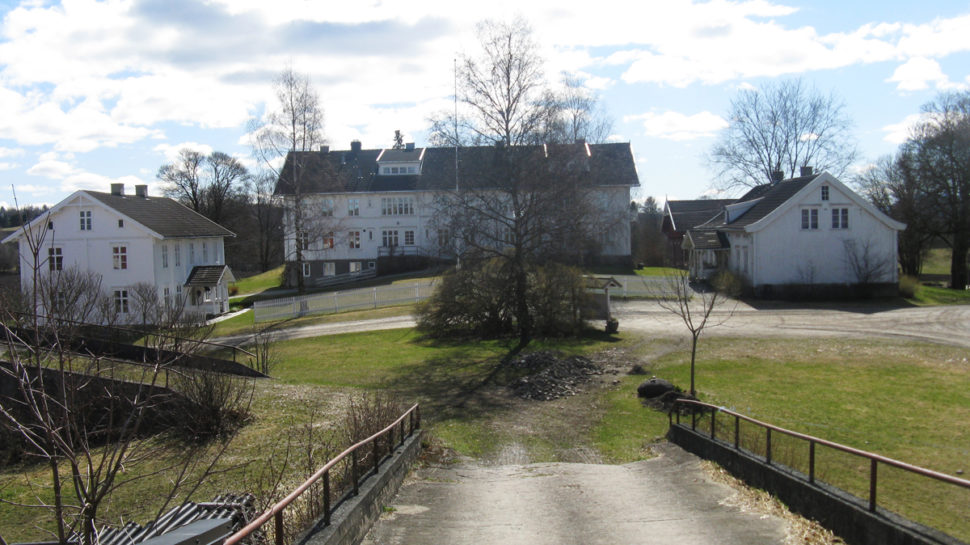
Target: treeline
15, 217
221, 188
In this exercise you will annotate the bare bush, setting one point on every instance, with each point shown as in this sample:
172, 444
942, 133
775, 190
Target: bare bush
212, 404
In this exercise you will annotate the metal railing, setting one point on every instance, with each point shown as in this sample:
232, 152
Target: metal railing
326, 303
813, 442
412, 416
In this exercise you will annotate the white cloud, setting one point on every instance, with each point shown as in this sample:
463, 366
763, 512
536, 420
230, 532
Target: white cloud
918, 73
677, 126
897, 133
8, 166
171, 151
11, 152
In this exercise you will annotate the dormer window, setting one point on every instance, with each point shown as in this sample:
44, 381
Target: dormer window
825, 192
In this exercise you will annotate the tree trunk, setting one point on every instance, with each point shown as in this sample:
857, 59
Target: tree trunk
523, 316
958, 260
693, 356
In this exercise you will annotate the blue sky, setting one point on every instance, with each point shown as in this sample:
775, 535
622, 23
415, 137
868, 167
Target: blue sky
98, 92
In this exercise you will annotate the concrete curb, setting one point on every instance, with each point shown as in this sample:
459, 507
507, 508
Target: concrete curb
350, 522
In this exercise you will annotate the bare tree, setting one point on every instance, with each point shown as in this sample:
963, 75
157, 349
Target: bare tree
577, 114
696, 308
518, 202
782, 127
204, 183
267, 216
866, 263
295, 126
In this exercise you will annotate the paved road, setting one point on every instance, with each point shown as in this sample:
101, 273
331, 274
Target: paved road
668, 499
945, 325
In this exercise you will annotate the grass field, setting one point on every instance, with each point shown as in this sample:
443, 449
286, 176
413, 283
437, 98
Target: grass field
261, 282
937, 261
909, 401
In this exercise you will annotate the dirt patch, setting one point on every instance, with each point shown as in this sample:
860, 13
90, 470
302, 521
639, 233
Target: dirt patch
552, 376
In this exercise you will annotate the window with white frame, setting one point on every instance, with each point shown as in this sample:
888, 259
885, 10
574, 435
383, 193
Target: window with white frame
121, 224
121, 301
167, 297
165, 256
327, 208
205, 252
119, 257
809, 218
329, 268
825, 192
397, 206
328, 241
840, 218
389, 238
85, 220
353, 207
178, 254
354, 240
409, 238
306, 269
302, 241
355, 266
191, 253
55, 259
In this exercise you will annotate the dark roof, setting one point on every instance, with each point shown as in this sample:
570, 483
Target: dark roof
772, 196
162, 215
401, 155
206, 275
709, 239
343, 171
688, 214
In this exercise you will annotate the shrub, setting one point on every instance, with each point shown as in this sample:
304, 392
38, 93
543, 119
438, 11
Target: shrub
233, 290
477, 301
211, 404
727, 283
908, 286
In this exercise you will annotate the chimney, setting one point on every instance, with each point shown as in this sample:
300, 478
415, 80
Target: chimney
409, 146
324, 149
141, 191
117, 189
777, 176
355, 146
806, 171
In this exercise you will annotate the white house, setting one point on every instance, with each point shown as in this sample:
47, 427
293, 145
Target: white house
129, 240
808, 232
361, 206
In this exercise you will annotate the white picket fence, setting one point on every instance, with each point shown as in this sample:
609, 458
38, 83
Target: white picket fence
339, 301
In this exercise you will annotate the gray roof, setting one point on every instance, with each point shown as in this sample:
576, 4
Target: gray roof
772, 196
685, 215
207, 275
709, 239
343, 171
401, 155
165, 216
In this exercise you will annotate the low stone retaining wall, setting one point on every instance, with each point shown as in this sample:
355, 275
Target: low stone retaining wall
849, 517
351, 521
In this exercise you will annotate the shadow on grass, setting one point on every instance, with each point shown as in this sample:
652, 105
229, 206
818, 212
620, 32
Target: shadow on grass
464, 384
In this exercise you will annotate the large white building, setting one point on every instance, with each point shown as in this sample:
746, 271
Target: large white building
363, 206
128, 240
804, 235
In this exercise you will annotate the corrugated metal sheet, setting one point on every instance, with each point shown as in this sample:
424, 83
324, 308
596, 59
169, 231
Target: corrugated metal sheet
239, 509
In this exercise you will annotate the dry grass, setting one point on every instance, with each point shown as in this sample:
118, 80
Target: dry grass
801, 531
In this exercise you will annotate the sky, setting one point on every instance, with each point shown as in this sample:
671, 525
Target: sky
97, 92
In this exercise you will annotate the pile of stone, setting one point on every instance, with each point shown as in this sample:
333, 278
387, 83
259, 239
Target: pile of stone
552, 376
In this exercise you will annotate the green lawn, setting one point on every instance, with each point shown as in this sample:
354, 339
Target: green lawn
932, 295
908, 401
937, 261
659, 271
260, 282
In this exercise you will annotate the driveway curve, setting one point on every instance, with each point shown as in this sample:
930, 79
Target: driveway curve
667, 499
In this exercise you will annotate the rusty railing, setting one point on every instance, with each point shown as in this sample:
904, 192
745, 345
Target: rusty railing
874, 459
413, 418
